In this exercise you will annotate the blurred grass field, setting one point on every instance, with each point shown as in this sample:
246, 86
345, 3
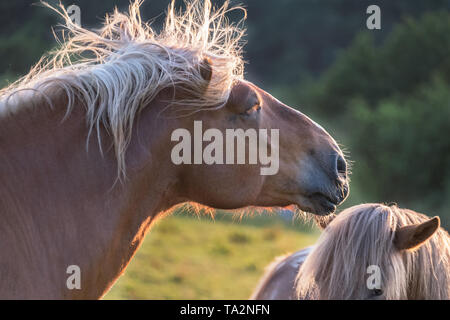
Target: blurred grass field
185, 257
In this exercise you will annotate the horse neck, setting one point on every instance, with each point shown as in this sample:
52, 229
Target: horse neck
61, 205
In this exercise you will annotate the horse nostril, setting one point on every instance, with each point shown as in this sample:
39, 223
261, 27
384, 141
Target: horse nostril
341, 166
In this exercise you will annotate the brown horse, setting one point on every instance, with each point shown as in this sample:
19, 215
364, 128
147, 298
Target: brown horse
86, 147
410, 252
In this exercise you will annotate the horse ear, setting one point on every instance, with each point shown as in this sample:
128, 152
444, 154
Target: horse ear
205, 67
412, 237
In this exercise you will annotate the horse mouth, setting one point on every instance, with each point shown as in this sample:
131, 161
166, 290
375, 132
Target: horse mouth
322, 204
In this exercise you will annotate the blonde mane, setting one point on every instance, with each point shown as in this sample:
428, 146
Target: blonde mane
119, 69
362, 236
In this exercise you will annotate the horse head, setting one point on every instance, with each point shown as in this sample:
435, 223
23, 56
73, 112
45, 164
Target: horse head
302, 165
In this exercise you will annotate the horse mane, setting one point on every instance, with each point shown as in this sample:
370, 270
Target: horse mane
119, 69
362, 236
269, 271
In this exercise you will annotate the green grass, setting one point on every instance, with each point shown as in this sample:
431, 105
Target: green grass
188, 258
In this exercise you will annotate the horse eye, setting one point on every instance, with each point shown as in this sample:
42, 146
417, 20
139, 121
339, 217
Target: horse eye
255, 107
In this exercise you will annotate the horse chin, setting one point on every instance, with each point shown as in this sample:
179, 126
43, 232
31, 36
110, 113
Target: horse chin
319, 210
317, 204
324, 210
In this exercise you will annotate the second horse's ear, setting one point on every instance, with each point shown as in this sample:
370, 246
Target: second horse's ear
413, 236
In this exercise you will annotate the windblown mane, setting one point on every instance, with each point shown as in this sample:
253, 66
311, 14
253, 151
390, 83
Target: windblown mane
363, 236
119, 69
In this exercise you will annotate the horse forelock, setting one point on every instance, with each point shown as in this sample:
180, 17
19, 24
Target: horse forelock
363, 236
119, 69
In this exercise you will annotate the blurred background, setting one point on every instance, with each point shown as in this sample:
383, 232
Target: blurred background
383, 94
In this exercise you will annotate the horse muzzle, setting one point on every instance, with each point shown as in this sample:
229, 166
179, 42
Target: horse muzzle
325, 203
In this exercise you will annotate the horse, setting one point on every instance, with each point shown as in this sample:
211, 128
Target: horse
369, 251
87, 139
